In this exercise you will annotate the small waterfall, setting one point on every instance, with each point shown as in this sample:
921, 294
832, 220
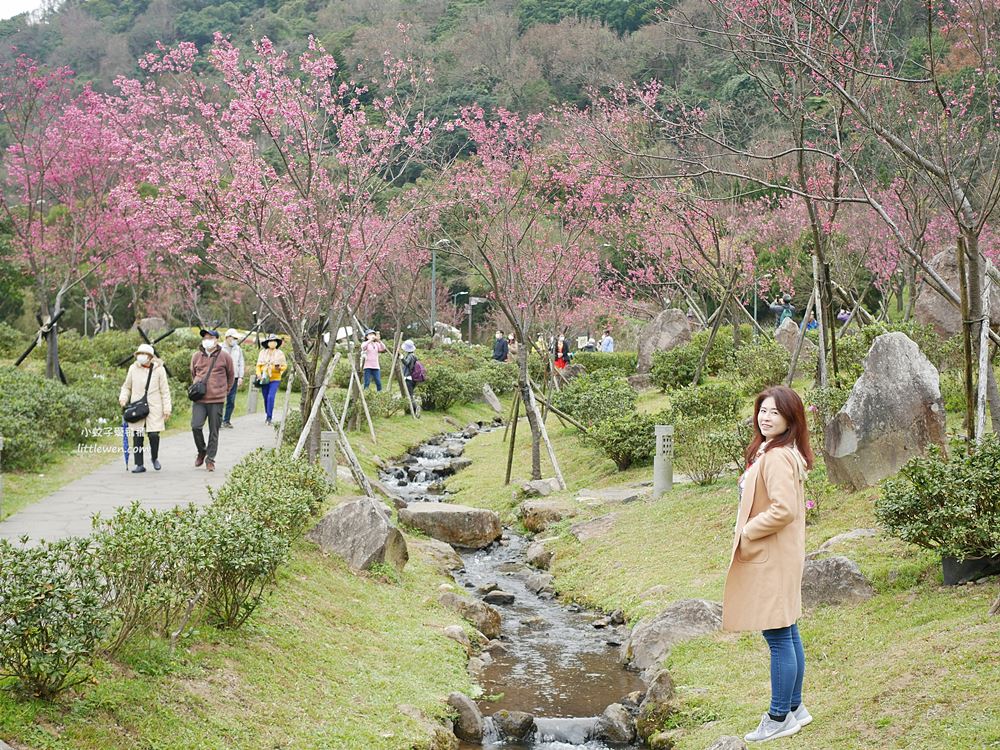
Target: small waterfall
565, 731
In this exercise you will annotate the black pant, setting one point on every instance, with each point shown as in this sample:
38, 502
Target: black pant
154, 446
213, 413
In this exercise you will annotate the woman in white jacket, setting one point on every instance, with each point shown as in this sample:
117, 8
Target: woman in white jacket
147, 368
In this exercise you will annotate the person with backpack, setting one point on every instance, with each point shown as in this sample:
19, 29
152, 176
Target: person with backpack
413, 370
783, 309
212, 377
145, 397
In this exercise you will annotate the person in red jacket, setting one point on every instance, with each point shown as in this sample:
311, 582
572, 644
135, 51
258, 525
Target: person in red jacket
211, 365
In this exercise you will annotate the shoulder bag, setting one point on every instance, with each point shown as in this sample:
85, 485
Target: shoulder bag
198, 389
136, 411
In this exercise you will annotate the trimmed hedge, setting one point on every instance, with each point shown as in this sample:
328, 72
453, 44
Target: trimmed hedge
624, 363
595, 397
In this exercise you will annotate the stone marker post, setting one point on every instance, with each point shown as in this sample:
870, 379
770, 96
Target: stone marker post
663, 460
328, 454
252, 398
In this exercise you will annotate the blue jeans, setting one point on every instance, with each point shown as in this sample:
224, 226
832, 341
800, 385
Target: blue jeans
788, 667
230, 402
373, 373
270, 391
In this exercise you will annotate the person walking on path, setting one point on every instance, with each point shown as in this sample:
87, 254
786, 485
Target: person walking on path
213, 367
413, 370
271, 365
560, 352
501, 349
607, 342
235, 352
370, 350
763, 588
146, 378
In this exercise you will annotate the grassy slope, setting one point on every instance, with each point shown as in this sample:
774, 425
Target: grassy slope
917, 666
324, 663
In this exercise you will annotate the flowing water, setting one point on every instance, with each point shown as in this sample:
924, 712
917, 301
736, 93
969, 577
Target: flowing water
551, 662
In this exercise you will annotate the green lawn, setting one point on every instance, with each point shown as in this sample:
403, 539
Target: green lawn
917, 666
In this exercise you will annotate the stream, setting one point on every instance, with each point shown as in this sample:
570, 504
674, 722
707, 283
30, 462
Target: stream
550, 661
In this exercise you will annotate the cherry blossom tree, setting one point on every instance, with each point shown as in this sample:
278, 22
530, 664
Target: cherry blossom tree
62, 186
282, 171
526, 217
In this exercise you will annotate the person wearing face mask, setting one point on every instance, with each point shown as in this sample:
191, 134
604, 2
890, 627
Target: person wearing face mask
147, 377
271, 365
501, 349
763, 590
232, 348
213, 367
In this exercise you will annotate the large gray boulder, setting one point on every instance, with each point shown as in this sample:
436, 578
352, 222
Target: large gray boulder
361, 532
439, 555
834, 580
787, 335
729, 743
514, 725
469, 723
656, 706
652, 638
491, 398
615, 725
485, 618
152, 325
472, 528
894, 412
931, 309
668, 329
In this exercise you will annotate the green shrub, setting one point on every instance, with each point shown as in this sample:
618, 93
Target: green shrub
384, 404
624, 363
105, 349
179, 365
716, 399
281, 469
595, 397
758, 365
242, 554
501, 377
52, 619
704, 448
953, 391
723, 348
341, 377
627, 439
442, 388
12, 341
675, 368
38, 415
853, 348
949, 504
822, 405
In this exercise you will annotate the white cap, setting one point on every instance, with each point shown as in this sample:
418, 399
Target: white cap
145, 349
232, 333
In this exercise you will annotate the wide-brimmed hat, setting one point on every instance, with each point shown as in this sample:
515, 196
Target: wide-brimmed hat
232, 332
209, 332
409, 346
145, 349
271, 337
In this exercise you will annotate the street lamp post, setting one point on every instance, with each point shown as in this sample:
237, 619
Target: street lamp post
444, 242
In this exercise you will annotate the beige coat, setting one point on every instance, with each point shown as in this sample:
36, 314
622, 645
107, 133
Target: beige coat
764, 583
159, 395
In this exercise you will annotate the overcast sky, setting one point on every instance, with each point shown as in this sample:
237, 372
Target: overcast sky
10, 8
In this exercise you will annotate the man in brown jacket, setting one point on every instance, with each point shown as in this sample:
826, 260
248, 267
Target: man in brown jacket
218, 382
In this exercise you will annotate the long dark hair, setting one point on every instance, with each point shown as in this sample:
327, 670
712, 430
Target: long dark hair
790, 407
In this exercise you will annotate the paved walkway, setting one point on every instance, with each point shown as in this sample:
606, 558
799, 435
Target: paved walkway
67, 511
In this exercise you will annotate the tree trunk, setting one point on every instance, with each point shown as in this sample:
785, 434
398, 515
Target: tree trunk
536, 434
967, 296
711, 338
818, 301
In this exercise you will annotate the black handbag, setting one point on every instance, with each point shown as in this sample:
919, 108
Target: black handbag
198, 389
136, 411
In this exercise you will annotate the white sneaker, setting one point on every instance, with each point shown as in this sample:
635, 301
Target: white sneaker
769, 729
802, 715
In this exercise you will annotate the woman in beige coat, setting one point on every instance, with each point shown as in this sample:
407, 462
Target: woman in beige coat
764, 584
147, 366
